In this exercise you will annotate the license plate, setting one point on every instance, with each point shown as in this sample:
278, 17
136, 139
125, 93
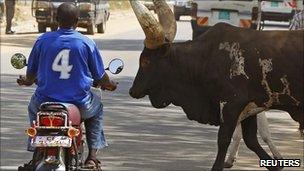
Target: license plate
274, 4
51, 141
224, 15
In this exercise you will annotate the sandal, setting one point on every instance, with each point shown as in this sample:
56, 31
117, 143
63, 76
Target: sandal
92, 164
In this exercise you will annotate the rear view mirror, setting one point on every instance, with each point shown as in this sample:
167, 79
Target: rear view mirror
116, 66
18, 61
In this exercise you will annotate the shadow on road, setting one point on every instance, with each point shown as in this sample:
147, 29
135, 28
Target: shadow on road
28, 40
19, 40
119, 44
122, 44
27, 33
140, 137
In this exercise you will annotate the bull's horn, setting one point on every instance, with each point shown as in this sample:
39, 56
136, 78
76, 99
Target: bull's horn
155, 35
166, 18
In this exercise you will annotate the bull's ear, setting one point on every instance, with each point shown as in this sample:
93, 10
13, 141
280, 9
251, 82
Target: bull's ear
164, 50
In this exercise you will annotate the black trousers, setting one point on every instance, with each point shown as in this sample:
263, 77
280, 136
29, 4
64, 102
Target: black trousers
10, 11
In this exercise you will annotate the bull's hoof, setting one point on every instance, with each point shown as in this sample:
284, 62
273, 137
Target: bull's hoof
20, 168
27, 166
217, 169
228, 165
301, 132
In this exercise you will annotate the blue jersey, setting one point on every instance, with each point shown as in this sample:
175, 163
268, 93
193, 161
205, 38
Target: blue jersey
65, 63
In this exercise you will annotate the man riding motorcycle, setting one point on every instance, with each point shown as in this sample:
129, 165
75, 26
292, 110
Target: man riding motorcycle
65, 64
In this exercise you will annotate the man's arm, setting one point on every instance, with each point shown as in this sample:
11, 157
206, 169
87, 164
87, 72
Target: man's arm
101, 78
32, 67
105, 83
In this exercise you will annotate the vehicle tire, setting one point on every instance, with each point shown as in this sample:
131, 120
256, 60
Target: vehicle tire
70, 161
90, 29
67, 160
254, 26
101, 28
177, 16
41, 27
54, 28
262, 25
81, 157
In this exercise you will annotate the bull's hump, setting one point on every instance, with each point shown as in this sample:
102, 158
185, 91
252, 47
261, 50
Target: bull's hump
223, 27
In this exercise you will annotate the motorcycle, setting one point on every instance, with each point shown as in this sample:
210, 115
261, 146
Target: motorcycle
57, 134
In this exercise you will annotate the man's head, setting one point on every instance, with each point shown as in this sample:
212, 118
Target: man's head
67, 15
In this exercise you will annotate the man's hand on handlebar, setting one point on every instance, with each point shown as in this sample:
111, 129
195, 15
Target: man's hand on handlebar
110, 86
105, 83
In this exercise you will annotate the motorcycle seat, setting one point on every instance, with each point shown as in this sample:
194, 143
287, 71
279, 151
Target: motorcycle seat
70, 109
53, 107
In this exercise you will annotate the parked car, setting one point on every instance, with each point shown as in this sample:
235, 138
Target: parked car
280, 10
92, 13
240, 13
182, 7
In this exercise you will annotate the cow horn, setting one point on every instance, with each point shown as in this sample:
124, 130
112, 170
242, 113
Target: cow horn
166, 18
155, 36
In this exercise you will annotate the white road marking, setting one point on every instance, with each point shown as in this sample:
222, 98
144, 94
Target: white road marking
9, 167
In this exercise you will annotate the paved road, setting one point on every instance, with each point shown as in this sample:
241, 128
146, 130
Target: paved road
140, 137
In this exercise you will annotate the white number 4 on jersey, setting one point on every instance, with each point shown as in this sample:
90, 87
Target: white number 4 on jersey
64, 68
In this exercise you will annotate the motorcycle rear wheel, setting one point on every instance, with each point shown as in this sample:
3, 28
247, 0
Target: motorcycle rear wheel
70, 160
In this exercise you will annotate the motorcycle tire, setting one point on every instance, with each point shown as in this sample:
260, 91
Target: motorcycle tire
70, 161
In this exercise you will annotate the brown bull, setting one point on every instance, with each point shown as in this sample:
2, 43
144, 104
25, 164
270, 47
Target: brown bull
246, 71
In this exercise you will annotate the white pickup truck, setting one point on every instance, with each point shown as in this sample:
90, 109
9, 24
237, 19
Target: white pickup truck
92, 13
240, 13
280, 10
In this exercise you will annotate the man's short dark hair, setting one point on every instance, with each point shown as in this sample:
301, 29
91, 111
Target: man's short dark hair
67, 15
